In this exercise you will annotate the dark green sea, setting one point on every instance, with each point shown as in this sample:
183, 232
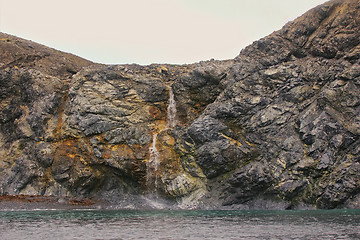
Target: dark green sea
133, 224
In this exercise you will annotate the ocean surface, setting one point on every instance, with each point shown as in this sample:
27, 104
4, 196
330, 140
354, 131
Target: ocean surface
133, 224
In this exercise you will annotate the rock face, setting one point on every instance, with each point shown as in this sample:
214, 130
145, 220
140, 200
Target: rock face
277, 127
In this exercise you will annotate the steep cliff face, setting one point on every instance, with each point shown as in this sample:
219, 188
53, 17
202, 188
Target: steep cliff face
287, 124
277, 127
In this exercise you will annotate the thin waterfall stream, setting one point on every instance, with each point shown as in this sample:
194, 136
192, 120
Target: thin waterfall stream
152, 167
171, 110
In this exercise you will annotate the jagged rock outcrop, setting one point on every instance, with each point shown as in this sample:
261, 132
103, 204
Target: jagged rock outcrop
277, 127
287, 124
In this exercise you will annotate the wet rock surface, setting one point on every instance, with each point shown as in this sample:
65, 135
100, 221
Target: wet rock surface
277, 127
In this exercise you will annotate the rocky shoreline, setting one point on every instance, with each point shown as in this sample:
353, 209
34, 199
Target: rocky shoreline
277, 127
30, 202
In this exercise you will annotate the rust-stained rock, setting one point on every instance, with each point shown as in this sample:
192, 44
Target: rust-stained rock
279, 123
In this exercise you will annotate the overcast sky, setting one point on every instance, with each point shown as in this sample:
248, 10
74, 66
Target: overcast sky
148, 31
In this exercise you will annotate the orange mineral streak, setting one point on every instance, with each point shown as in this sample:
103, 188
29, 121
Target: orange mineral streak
155, 112
124, 151
169, 160
168, 140
66, 150
73, 150
61, 113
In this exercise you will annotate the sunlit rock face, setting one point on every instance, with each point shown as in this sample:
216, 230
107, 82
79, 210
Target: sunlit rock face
276, 127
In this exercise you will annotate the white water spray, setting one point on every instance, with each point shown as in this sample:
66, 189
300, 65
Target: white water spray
171, 110
153, 164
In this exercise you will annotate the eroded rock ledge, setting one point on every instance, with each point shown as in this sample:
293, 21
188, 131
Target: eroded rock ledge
276, 127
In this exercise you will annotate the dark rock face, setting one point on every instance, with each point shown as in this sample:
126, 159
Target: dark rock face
299, 111
277, 127
199, 88
288, 120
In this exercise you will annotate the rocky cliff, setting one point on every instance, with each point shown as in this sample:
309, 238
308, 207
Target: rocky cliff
276, 127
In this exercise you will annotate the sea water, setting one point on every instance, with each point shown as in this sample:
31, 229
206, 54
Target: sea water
133, 224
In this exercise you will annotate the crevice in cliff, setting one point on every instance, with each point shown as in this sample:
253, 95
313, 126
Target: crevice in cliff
60, 116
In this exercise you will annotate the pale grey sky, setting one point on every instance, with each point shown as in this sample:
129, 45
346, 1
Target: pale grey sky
148, 31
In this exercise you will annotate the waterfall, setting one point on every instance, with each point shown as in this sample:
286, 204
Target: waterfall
153, 165
171, 110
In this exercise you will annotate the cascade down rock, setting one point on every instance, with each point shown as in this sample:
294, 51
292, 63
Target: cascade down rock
275, 128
